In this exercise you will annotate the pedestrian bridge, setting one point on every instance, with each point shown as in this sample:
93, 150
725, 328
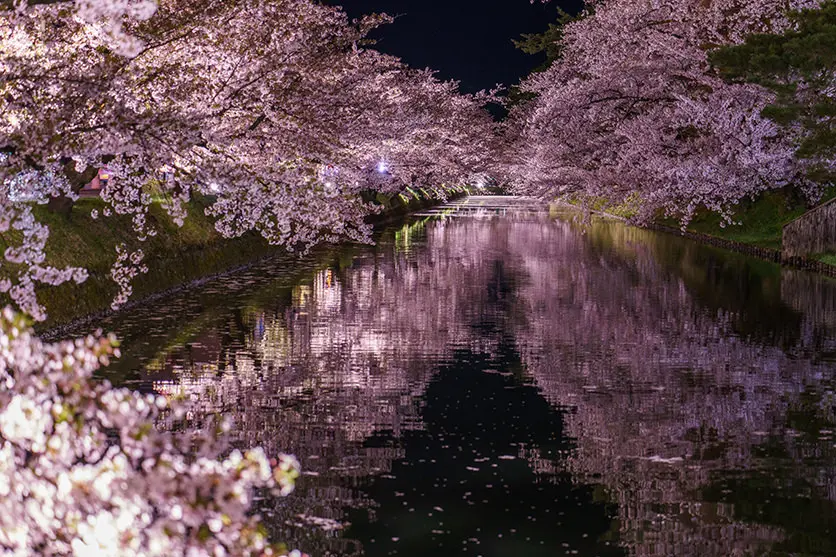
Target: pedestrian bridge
488, 206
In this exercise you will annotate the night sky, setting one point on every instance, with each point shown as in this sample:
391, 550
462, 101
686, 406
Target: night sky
466, 40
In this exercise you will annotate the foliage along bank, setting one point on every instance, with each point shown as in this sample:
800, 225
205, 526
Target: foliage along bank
176, 255
757, 227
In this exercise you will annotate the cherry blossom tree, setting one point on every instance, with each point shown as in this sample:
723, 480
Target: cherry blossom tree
85, 471
799, 69
278, 110
633, 108
107, 15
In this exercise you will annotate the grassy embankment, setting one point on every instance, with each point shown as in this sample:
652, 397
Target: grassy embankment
175, 256
758, 222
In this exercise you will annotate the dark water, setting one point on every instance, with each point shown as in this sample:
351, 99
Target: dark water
503, 382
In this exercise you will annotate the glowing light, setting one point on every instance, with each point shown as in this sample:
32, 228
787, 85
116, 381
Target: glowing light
382, 167
214, 187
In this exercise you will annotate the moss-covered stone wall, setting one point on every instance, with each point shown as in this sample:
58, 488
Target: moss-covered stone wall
814, 232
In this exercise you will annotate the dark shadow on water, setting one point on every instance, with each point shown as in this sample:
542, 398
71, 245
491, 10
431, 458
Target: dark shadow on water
483, 477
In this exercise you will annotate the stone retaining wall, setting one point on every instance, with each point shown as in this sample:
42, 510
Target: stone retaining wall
812, 233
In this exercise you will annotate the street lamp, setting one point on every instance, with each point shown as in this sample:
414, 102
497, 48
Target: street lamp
104, 176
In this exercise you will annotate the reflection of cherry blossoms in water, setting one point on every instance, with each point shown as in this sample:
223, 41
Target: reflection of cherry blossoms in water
691, 384
344, 356
674, 410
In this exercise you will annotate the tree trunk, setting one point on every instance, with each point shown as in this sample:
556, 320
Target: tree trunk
62, 204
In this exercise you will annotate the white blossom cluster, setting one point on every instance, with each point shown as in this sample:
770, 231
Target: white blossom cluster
127, 266
83, 471
25, 262
108, 14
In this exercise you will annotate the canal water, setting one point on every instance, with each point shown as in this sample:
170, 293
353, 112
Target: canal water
492, 379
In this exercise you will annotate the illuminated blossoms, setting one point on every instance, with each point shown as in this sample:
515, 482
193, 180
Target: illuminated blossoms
84, 471
632, 110
276, 112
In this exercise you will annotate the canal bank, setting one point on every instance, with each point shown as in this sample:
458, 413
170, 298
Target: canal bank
177, 258
761, 244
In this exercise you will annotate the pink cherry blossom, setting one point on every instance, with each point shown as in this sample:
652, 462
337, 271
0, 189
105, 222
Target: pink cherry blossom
277, 111
85, 471
633, 110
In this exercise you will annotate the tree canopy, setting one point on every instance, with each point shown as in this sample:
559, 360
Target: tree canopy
632, 109
283, 114
278, 110
798, 66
